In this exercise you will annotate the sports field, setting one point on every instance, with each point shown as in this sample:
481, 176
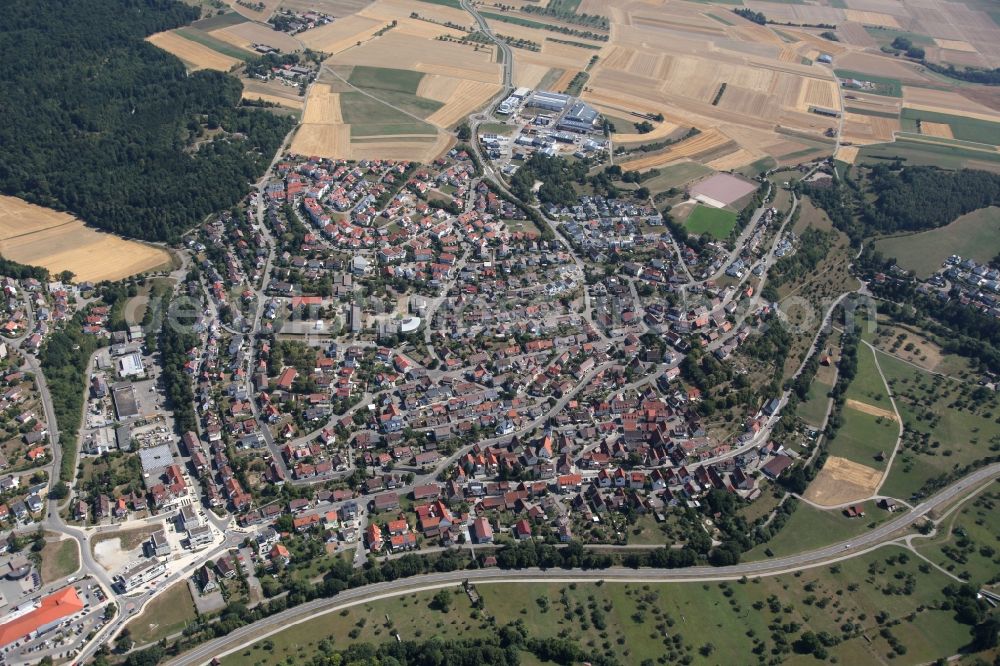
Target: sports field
716, 222
57, 241
974, 236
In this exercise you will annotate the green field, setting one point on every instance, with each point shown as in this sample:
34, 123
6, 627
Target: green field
516, 20
369, 117
975, 235
217, 45
885, 85
716, 222
384, 78
813, 409
809, 528
885, 36
862, 437
695, 623
755, 168
867, 385
968, 542
949, 424
454, 4
676, 175
167, 614
962, 128
930, 154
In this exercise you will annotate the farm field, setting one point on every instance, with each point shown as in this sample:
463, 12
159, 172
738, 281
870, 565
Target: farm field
813, 409
949, 424
195, 54
959, 127
717, 615
716, 222
975, 235
676, 175
932, 154
57, 241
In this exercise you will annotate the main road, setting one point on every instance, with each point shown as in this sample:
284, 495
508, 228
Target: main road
881, 535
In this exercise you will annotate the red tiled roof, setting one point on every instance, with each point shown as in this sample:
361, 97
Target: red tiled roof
58, 605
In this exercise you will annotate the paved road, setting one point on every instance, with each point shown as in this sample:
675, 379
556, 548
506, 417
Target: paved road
879, 536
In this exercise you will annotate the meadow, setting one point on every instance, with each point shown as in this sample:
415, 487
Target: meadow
975, 235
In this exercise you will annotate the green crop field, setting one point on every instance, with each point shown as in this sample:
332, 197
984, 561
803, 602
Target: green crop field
949, 424
975, 235
858, 603
809, 528
217, 45
968, 542
369, 117
885, 85
226, 20
454, 4
962, 128
384, 78
870, 112
716, 222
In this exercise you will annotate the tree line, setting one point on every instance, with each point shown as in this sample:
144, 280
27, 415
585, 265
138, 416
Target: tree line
131, 155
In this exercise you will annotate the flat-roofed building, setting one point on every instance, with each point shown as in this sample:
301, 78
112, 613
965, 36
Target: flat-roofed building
126, 403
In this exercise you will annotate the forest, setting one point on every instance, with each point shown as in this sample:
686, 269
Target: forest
100, 123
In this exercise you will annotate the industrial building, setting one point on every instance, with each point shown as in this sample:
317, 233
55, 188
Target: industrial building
581, 117
126, 404
549, 101
131, 365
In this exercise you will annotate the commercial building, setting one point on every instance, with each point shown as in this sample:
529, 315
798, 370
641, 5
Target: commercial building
50, 612
139, 574
131, 365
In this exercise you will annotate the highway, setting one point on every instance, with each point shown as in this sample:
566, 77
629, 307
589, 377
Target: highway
878, 537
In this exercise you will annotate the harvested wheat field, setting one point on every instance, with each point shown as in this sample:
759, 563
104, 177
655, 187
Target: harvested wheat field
872, 18
413, 149
942, 130
847, 154
323, 140
269, 8
244, 35
701, 144
322, 106
467, 97
955, 45
734, 160
39, 236
818, 92
341, 34
194, 55
865, 408
422, 55
274, 92
842, 481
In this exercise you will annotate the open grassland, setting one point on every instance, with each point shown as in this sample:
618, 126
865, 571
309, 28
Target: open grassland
696, 623
975, 235
913, 345
968, 542
59, 242
867, 385
167, 614
809, 528
949, 424
863, 437
676, 175
59, 559
716, 222
813, 409
932, 154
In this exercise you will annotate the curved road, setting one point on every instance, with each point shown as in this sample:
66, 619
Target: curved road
885, 533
